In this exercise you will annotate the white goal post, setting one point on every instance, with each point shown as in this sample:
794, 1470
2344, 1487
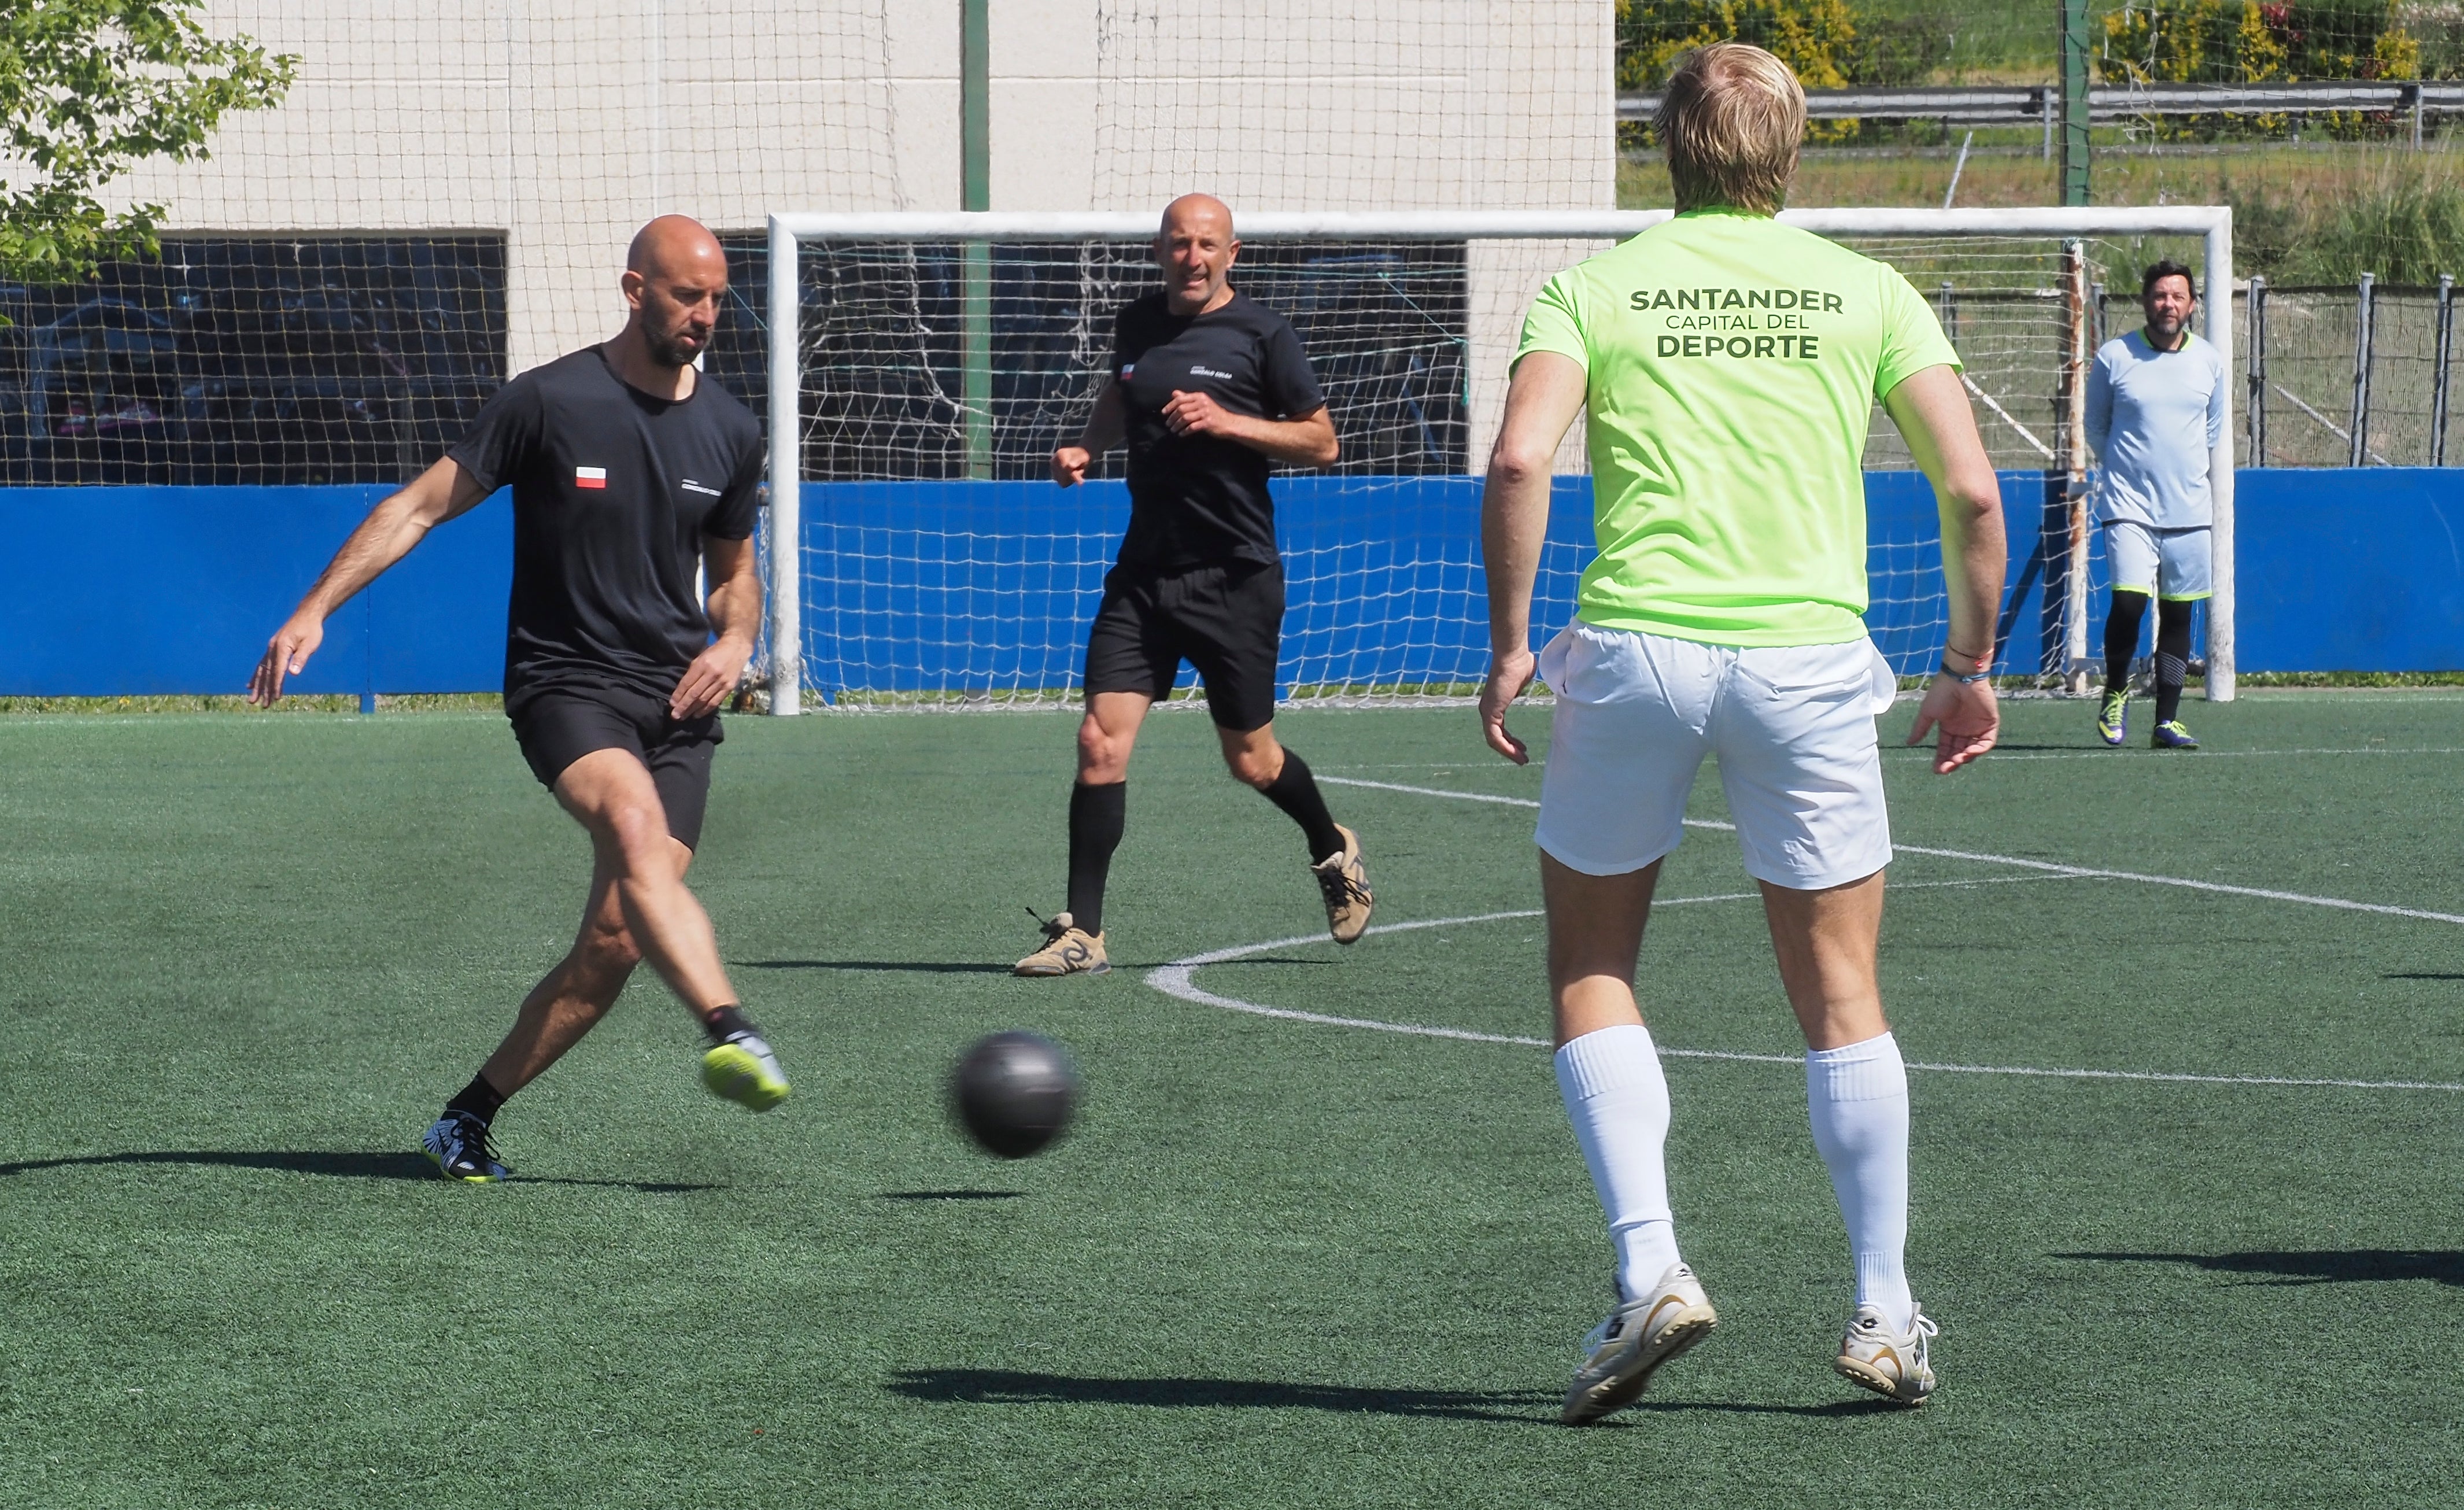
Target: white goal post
798, 241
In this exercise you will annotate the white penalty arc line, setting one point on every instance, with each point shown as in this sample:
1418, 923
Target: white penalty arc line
1174, 980
2047, 867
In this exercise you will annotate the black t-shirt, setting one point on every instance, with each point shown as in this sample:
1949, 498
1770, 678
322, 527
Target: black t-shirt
1202, 499
613, 491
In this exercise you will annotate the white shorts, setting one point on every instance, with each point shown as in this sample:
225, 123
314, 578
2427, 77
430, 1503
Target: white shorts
2144, 559
1793, 727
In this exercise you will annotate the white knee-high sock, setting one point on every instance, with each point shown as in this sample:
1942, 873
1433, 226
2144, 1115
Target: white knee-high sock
1618, 1103
1857, 1098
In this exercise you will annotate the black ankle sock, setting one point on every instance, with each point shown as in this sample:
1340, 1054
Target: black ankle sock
720, 1021
478, 1098
1098, 815
1295, 791
2122, 638
2172, 658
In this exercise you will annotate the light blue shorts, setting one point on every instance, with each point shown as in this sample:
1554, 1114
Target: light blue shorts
2143, 559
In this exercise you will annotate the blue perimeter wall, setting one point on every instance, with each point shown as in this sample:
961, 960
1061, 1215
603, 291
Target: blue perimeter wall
132, 591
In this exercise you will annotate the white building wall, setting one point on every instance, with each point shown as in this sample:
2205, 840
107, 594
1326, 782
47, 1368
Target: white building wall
563, 125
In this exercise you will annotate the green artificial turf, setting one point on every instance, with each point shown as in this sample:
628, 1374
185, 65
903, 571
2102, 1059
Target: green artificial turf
1276, 1263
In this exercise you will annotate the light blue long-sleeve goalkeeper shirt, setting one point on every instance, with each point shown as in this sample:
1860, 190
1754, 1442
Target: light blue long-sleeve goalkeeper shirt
2152, 419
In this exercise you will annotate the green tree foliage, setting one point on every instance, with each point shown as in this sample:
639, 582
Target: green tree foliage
2248, 41
88, 90
1815, 38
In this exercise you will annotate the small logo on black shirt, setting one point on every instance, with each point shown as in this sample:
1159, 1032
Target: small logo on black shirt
590, 476
1198, 372
690, 486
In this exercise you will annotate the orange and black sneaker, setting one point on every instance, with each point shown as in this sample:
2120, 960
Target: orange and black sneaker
1068, 950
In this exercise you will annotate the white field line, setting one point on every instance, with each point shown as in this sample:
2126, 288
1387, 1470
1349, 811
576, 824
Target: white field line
1999, 758
2047, 867
1173, 980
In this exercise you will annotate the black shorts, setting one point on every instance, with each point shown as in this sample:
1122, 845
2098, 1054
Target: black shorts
1226, 621
558, 725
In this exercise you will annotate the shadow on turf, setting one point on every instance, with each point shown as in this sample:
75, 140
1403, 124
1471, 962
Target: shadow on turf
2424, 975
1518, 1407
348, 1165
907, 966
2328, 1266
952, 1195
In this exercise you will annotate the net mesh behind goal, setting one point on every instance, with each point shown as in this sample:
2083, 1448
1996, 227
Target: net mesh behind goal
942, 567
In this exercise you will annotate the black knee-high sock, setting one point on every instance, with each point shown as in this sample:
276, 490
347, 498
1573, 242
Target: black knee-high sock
2172, 657
1097, 815
1295, 791
2121, 638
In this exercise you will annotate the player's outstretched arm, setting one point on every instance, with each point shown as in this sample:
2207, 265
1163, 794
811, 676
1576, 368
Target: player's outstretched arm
1106, 425
385, 537
735, 618
1309, 441
1933, 416
1541, 401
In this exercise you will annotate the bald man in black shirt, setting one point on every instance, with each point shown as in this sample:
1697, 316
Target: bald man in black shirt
630, 470
1207, 389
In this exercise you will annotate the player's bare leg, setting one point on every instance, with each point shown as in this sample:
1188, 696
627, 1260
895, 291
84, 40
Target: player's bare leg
1826, 942
570, 999
1857, 1097
1607, 1071
1255, 759
612, 795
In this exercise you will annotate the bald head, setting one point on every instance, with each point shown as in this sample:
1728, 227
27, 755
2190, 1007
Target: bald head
1195, 211
676, 277
1195, 248
673, 243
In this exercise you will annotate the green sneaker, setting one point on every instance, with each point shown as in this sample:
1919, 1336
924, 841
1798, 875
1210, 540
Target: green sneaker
2170, 735
744, 1071
2111, 722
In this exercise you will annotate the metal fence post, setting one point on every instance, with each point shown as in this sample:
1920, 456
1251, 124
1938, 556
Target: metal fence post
2076, 94
2254, 354
2359, 450
2072, 460
2438, 370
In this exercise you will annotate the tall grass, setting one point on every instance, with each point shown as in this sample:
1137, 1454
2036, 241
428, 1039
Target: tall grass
2403, 221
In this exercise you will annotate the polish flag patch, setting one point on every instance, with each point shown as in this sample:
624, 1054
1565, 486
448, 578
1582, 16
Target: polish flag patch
590, 476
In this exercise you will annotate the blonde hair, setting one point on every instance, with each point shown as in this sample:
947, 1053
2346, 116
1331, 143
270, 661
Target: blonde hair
1730, 121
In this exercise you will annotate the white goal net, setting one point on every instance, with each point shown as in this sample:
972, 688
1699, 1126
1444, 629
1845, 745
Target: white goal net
923, 367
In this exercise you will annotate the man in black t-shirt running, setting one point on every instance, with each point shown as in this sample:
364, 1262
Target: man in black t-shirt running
629, 470
1207, 388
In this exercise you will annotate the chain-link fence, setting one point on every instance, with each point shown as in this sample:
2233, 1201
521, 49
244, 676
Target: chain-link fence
2358, 376
253, 360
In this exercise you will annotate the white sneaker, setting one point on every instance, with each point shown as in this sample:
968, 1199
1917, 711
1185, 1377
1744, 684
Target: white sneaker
1623, 1351
1891, 1364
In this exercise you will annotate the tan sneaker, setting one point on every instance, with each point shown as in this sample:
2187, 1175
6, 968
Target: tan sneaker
1624, 1351
1893, 1364
1068, 950
1345, 882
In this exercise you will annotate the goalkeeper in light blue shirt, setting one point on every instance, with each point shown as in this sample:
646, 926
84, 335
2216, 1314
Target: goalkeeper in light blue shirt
2155, 412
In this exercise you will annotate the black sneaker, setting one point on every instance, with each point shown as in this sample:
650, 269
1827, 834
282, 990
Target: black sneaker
457, 1145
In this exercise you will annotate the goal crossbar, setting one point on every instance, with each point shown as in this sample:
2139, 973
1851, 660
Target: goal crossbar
788, 231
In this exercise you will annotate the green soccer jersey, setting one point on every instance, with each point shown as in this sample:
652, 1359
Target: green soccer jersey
1733, 365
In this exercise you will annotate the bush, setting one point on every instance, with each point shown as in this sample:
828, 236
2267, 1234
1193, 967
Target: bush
1815, 38
2248, 42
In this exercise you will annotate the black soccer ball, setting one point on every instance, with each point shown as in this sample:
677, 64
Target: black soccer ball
1015, 1092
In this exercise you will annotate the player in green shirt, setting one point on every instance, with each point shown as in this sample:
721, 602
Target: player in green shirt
1729, 366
